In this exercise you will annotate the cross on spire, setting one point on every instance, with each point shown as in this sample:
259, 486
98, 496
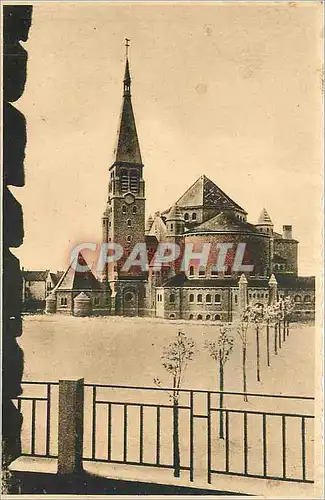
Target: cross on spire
127, 45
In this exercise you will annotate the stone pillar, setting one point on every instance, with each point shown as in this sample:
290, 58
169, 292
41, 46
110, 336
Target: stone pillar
71, 411
273, 290
242, 294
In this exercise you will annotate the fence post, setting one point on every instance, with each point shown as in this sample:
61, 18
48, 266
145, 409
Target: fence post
71, 410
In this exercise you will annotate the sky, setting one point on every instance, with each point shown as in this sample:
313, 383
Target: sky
232, 91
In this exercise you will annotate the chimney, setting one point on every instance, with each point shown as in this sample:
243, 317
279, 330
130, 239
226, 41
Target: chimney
287, 232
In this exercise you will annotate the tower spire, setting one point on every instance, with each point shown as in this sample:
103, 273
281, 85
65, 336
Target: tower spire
127, 148
127, 77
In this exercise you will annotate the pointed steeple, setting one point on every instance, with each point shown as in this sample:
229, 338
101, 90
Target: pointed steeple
127, 147
264, 219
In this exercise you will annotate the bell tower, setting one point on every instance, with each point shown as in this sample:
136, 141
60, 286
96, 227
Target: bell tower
123, 221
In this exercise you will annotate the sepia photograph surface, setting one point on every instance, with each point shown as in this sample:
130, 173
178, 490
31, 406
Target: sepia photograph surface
162, 249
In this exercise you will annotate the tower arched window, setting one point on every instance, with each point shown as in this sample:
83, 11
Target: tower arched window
208, 298
186, 216
307, 298
191, 298
217, 298
172, 297
297, 298
129, 238
129, 223
199, 297
191, 270
134, 210
124, 209
194, 216
124, 181
172, 227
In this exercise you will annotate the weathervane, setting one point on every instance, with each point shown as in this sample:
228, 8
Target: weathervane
127, 45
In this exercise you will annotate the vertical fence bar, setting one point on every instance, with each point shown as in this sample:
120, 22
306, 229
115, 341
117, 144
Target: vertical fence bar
284, 450
303, 448
227, 440
125, 433
141, 434
158, 437
264, 446
109, 432
93, 437
33, 427
209, 435
191, 436
48, 419
245, 444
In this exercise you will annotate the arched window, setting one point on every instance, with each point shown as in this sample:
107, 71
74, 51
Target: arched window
63, 301
172, 297
208, 298
172, 227
297, 298
124, 209
208, 317
128, 297
194, 216
307, 298
191, 270
199, 297
201, 271
217, 298
129, 238
96, 301
254, 295
172, 316
134, 210
217, 317
186, 216
191, 316
129, 223
124, 181
199, 316
191, 297
214, 271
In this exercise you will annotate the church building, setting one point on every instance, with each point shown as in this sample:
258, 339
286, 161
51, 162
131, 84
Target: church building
203, 214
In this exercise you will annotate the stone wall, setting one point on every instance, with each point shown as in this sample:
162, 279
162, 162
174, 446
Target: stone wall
16, 24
